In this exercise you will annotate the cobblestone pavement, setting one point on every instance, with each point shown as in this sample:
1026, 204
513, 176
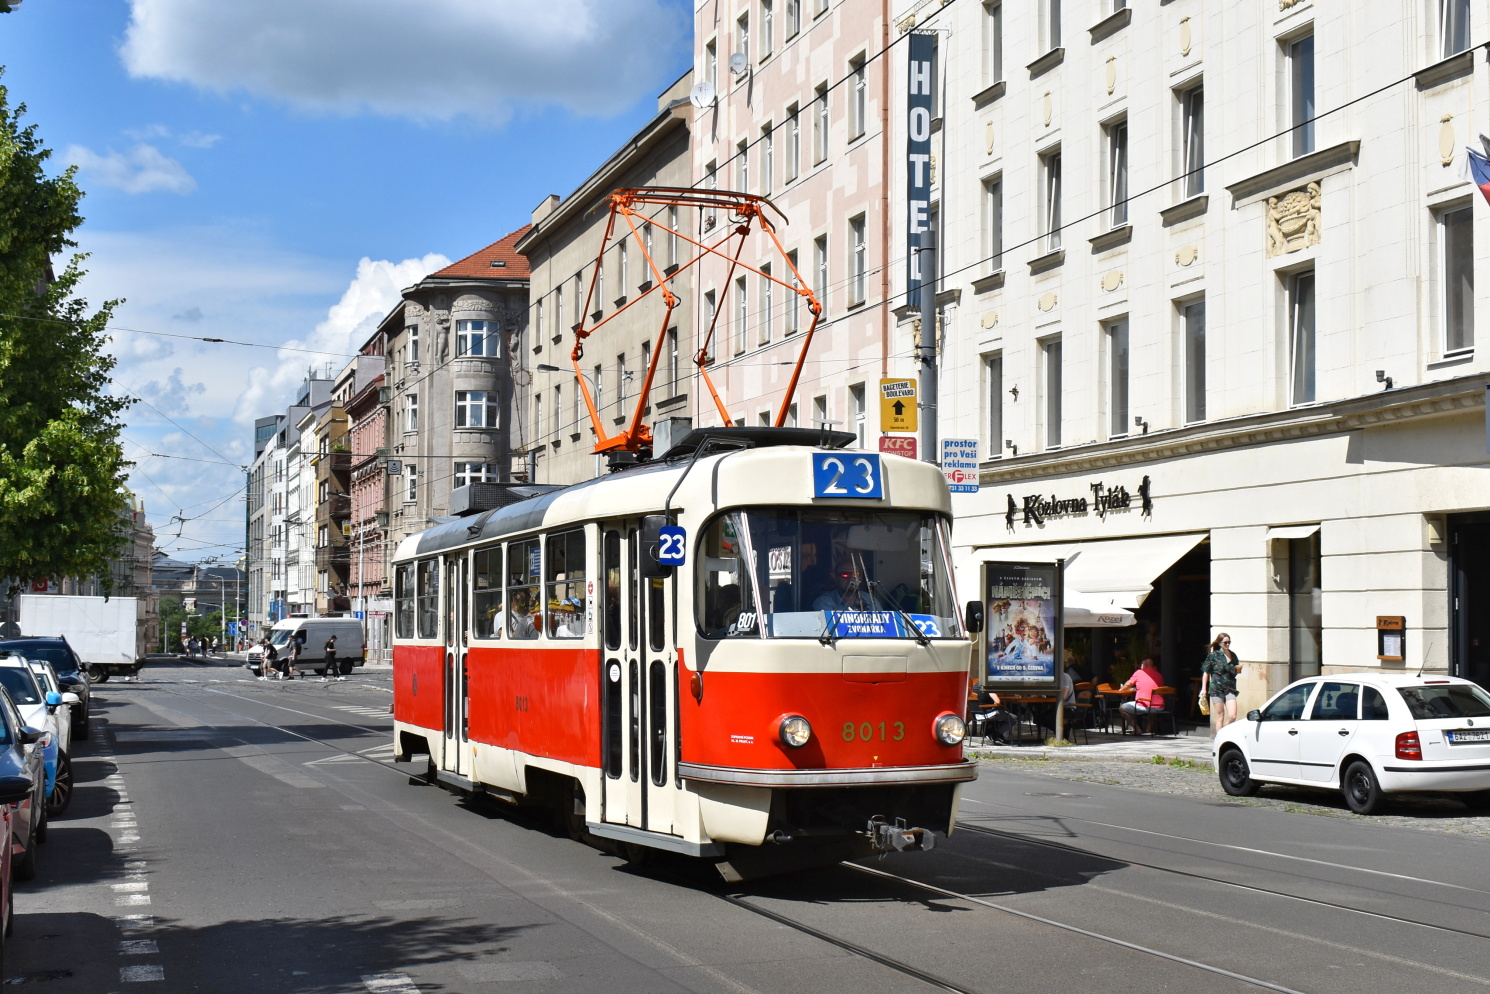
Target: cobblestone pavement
1430, 813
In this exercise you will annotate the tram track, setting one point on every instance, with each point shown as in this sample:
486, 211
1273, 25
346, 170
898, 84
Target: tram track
899, 966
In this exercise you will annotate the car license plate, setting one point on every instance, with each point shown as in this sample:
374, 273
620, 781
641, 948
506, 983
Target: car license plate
1464, 736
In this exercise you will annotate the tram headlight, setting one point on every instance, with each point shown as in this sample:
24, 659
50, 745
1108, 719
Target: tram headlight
949, 729
795, 731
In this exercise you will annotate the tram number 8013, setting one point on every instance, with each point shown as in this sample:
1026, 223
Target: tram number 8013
866, 731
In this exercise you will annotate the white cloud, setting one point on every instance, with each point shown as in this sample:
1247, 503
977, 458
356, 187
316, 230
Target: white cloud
434, 60
191, 139
198, 139
348, 324
143, 169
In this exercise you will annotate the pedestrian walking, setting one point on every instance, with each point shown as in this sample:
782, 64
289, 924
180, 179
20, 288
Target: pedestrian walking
1218, 676
267, 661
333, 672
295, 649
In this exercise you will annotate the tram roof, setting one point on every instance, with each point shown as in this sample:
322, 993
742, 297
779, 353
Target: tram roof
642, 489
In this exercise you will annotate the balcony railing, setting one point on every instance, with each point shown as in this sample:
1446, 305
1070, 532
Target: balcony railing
339, 506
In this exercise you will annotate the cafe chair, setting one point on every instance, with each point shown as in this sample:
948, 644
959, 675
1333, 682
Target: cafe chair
1165, 714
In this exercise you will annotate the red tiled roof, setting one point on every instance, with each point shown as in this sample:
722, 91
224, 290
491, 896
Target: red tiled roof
478, 265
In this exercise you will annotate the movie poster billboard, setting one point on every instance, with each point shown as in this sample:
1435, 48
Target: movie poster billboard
1022, 618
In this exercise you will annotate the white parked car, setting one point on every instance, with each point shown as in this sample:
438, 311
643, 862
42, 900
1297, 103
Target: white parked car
1364, 734
60, 711
26, 691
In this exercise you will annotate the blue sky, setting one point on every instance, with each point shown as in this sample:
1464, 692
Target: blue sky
274, 172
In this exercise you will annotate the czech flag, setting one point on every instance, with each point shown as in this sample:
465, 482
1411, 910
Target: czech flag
1476, 169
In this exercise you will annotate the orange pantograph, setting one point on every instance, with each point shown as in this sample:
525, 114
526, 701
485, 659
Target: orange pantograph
744, 211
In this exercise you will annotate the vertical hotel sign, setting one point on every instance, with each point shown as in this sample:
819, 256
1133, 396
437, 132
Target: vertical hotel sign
917, 157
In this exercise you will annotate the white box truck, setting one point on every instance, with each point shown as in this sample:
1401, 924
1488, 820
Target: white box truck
108, 635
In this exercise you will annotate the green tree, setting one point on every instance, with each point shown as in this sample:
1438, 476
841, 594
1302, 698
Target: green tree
62, 468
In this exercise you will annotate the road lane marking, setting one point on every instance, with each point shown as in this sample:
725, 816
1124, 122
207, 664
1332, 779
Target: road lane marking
132, 887
131, 900
390, 983
138, 947
144, 974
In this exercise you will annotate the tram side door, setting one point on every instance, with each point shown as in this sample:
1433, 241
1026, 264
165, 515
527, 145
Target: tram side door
638, 677
457, 635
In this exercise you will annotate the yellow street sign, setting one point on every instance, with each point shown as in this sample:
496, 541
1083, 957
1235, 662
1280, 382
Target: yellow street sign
897, 405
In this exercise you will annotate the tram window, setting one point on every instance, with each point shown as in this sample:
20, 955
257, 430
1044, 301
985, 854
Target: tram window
524, 603
636, 722
403, 601
428, 597
655, 613
564, 569
634, 601
486, 593
866, 574
613, 590
727, 597
657, 704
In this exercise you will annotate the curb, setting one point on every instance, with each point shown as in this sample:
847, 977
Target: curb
1068, 754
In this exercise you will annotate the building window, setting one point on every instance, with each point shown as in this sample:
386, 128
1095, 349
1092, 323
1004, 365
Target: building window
672, 361
711, 64
558, 409
742, 313
993, 222
1301, 93
578, 293
1453, 26
768, 304
1192, 321
742, 166
1050, 23
623, 380
711, 309
768, 158
473, 472
623, 264
1051, 353
742, 38
537, 415
1117, 379
599, 387
475, 409
859, 97
820, 245
413, 413
858, 260
993, 377
820, 130
793, 142
1304, 615
861, 416
413, 343
1117, 172
993, 43
538, 324
599, 300
672, 237
820, 7
768, 28
411, 484
559, 313
1050, 168
1456, 238
820, 411
1192, 140
1301, 337
793, 17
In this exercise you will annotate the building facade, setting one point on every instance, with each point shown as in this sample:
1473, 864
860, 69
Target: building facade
799, 114
451, 346
562, 246
1213, 325
367, 415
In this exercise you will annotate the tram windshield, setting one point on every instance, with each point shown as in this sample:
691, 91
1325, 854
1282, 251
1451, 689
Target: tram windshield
825, 573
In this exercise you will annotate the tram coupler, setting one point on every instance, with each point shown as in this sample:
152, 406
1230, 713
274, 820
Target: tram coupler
886, 838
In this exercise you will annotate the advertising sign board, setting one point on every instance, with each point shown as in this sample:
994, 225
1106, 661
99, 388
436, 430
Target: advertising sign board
898, 405
1022, 608
898, 445
960, 464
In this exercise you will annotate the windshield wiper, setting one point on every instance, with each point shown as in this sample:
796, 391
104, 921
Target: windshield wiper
921, 637
829, 634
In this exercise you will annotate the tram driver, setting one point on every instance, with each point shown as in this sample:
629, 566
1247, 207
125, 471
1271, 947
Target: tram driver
849, 590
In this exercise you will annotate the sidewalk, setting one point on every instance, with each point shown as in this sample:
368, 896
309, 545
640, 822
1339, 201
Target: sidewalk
1194, 746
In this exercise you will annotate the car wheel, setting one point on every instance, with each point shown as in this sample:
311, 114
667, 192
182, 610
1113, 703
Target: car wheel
25, 867
80, 722
1236, 775
1362, 792
101, 678
43, 823
61, 787
1476, 800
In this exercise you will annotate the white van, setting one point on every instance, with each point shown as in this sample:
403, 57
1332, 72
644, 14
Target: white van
351, 648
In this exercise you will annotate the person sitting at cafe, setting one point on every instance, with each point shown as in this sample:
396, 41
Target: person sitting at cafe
991, 713
1144, 682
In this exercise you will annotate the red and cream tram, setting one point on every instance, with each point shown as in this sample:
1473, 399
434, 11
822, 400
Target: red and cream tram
749, 647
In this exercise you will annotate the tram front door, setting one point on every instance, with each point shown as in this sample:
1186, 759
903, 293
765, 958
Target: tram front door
457, 635
638, 679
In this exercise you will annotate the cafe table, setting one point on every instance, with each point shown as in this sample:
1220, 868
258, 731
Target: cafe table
1113, 698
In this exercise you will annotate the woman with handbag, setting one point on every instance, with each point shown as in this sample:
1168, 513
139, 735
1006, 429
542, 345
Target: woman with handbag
1218, 675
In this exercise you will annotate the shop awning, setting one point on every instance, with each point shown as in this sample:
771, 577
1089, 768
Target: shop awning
1292, 531
1103, 579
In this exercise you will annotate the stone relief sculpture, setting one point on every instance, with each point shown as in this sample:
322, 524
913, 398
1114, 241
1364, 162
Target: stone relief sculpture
1293, 220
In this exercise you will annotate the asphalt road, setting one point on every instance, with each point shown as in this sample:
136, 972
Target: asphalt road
233, 835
